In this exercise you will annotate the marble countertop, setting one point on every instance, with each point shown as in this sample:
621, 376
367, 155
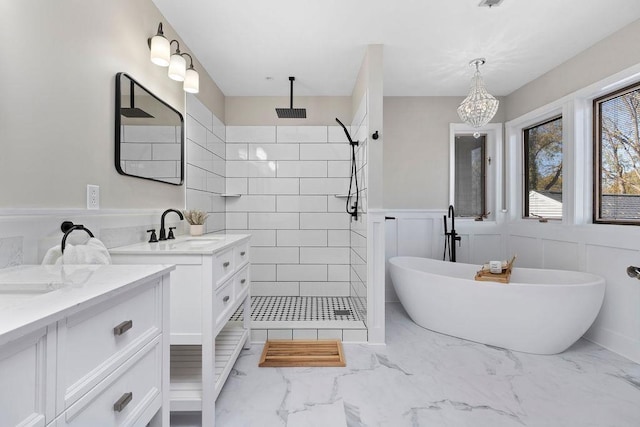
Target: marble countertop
34, 296
189, 245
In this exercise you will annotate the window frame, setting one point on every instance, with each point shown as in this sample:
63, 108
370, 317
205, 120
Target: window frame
597, 156
525, 166
494, 195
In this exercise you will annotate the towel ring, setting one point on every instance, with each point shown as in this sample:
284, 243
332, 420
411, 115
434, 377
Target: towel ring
67, 227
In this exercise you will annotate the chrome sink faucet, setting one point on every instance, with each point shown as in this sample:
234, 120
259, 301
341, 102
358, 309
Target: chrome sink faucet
163, 234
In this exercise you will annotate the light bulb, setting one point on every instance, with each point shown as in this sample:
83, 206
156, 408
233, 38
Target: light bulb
191, 81
160, 51
177, 67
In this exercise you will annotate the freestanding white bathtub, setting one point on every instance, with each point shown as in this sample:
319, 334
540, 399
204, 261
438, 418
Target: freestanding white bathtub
540, 311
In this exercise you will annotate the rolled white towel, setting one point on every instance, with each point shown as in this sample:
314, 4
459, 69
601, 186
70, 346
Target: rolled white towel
52, 256
92, 252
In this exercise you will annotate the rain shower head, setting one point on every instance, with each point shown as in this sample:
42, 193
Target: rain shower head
291, 113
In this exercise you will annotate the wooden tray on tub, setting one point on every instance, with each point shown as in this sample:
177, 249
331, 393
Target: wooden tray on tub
484, 275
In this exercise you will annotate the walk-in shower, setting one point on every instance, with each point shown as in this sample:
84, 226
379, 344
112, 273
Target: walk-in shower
298, 298
289, 182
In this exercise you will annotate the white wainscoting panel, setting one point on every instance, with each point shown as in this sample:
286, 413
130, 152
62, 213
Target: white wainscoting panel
560, 255
486, 247
528, 250
618, 324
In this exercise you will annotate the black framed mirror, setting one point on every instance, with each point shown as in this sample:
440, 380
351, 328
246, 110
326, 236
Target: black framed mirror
149, 134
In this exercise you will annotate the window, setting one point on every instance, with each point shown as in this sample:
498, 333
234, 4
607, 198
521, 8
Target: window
474, 170
470, 175
543, 169
617, 157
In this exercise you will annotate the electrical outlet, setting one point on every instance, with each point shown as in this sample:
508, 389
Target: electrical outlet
93, 197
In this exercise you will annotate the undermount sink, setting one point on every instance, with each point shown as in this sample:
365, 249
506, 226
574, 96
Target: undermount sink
28, 288
11, 293
196, 243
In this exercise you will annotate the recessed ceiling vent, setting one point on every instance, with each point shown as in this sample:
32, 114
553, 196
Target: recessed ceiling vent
490, 3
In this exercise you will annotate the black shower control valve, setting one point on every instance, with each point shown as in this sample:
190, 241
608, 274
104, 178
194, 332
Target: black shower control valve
375, 135
171, 236
153, 237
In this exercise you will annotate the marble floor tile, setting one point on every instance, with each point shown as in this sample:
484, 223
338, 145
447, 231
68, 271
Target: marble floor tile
422, 378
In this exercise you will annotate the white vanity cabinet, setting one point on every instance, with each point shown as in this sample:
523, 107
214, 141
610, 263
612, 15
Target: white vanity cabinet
210, 282
89, 354
110, 352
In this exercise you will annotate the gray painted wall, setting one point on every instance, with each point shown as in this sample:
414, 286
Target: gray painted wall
416, 150
58, 101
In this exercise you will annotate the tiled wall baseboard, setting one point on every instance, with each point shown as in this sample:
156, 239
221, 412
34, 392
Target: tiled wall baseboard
346, 335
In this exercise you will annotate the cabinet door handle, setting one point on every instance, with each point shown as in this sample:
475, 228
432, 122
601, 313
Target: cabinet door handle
123, 402
242, 281
225, 299
225, 264
123, 327
242, 253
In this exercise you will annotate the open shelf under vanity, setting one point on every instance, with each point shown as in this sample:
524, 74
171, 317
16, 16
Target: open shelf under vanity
186, 367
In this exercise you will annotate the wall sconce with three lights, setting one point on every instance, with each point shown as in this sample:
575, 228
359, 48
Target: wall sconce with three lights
161, 55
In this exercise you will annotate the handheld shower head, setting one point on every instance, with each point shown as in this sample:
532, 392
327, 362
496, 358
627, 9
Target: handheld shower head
346, 132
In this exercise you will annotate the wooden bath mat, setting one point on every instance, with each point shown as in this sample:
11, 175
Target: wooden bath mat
302, 353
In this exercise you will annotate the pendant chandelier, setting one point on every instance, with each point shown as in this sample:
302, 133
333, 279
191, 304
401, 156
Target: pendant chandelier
479, 107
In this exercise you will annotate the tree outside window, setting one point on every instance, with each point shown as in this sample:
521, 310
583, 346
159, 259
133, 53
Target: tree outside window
617, 157
543, 170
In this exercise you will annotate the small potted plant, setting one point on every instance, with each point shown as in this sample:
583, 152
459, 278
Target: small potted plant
196, 218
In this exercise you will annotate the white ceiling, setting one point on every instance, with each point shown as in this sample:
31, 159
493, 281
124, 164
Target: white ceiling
427, 43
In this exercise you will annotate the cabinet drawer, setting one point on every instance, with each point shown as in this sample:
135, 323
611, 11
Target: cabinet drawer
241, 282
223, 266
122, 397
223, 302
96, 341
241, 254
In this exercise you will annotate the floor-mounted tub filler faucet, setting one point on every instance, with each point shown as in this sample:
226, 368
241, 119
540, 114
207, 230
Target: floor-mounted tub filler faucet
163, 234
450, 237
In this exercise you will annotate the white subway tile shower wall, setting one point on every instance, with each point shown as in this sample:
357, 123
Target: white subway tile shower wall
288, 177
205, 166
